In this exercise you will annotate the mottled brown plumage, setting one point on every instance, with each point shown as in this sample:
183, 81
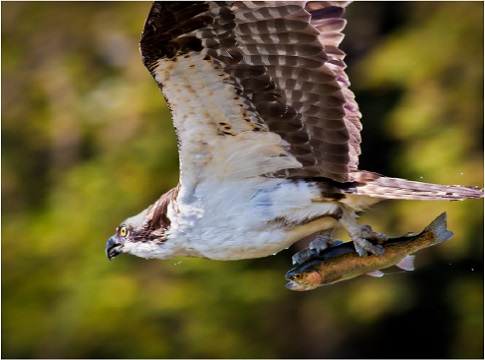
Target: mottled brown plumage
268, 133
276, 57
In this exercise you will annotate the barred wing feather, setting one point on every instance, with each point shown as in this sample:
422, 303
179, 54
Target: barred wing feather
255, 88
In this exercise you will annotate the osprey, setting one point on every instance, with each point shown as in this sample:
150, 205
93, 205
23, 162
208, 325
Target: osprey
268, 134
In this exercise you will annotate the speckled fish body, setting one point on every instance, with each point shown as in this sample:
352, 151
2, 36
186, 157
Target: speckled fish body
341, 262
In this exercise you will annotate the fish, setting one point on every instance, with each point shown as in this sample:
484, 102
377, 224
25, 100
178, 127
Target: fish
342, 262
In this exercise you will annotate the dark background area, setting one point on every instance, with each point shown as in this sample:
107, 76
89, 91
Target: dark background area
87, 141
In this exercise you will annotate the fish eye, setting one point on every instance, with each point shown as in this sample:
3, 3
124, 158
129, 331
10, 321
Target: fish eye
123, 231
297, 276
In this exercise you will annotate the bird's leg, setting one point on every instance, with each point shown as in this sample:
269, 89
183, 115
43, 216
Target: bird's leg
323, 241
360, 234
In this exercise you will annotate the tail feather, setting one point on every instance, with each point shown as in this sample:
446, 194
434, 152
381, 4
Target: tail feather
394, 188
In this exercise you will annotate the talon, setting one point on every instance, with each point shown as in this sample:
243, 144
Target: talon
318, 245
363, 246
361, 235
359, 249
301, 256
368, 233
321, 243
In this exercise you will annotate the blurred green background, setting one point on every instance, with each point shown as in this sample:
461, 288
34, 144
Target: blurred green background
87, 142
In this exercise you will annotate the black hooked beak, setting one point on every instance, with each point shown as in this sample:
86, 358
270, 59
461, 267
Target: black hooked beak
113, 247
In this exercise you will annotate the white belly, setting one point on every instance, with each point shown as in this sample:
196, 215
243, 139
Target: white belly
254, 218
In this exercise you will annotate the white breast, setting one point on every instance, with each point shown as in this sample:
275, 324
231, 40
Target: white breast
243, 219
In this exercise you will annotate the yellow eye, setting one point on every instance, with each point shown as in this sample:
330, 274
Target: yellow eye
123, 231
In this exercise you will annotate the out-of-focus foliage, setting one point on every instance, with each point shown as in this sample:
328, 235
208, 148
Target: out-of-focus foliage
87, 141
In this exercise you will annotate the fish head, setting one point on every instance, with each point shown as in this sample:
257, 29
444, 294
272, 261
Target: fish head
303, 279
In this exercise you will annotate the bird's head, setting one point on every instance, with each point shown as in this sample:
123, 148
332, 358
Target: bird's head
125, 234
145, 234
138, 237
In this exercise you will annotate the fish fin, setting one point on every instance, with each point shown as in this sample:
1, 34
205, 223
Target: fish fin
406, 263
375, 273
438, 227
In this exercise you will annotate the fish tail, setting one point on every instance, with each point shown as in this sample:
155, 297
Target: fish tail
438, 229
378, 186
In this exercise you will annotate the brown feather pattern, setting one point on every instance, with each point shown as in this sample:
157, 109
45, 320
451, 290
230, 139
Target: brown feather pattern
157, 219
284, 62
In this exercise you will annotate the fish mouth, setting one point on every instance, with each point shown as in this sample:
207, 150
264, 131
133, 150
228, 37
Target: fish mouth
291, 274
113, 248
295, 286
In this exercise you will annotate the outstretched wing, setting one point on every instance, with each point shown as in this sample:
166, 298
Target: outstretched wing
255, 88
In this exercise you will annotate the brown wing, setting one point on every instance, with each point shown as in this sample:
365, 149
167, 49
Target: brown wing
326, 17
282, 59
